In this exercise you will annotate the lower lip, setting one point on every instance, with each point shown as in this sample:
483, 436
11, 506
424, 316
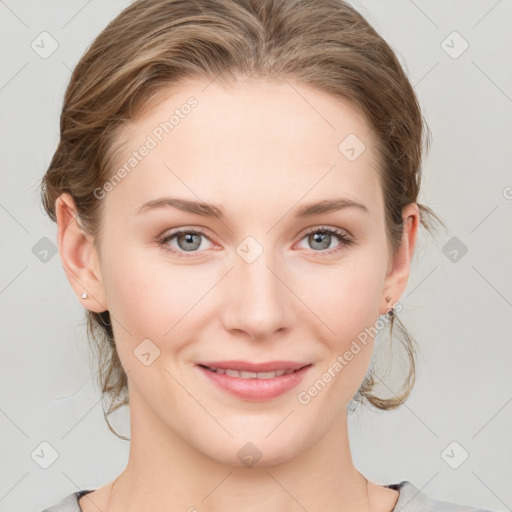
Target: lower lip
256, 389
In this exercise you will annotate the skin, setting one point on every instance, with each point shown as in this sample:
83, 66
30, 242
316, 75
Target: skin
257, 150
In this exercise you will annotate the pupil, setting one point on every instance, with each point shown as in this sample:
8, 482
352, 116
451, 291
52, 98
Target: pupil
321, 238
189, 239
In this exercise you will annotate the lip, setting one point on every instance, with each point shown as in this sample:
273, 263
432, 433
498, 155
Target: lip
246, 366
255, 389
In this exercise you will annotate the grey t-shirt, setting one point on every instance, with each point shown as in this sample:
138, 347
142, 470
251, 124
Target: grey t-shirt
411, 499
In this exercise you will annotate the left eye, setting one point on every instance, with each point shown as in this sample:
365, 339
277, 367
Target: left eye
322, 238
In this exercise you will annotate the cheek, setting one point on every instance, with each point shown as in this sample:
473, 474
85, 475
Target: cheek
346, 298
349, 312
133, 296
151, 297
347, 355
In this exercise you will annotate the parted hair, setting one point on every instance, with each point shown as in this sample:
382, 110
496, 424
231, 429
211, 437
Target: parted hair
155, 44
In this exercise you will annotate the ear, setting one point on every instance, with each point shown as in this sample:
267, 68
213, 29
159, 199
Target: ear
79, 256
399, 267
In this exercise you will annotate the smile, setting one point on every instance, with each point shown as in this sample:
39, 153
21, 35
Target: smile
250, 375
266, 384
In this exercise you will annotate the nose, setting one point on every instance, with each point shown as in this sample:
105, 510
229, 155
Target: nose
258, 301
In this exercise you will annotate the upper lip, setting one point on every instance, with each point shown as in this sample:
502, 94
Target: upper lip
269, 366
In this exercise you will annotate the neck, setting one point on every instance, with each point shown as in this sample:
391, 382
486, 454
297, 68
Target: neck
166, 473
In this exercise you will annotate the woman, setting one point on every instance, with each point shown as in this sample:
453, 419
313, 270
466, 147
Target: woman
236, 194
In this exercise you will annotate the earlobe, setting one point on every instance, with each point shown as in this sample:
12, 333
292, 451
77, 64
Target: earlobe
398, 276
79, 256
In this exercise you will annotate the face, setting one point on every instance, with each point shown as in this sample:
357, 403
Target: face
258, 276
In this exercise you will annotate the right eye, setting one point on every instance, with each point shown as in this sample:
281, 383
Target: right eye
187, 240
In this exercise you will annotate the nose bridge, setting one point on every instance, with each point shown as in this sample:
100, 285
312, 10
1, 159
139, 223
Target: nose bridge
258, 301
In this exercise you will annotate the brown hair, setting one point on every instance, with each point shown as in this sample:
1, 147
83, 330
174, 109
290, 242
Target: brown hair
154, 44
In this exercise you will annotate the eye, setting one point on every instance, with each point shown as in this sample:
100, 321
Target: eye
187, 240
191, 240
320, 239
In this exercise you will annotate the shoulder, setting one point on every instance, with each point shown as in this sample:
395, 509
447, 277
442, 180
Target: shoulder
69, 503
412, 499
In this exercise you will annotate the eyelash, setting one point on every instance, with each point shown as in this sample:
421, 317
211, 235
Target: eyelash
339, 234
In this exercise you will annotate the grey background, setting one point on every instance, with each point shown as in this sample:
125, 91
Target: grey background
458, 311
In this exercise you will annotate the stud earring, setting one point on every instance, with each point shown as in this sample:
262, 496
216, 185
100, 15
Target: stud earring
84, 295
391, 312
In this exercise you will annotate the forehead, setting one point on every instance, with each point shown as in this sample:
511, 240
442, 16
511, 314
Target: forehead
255, 141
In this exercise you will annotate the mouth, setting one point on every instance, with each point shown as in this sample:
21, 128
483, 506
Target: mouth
247, 370
255, 382
248, 375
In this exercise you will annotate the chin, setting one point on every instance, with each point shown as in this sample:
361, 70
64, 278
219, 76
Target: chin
259, 453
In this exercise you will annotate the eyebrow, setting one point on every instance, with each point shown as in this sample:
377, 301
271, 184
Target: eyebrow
210, 210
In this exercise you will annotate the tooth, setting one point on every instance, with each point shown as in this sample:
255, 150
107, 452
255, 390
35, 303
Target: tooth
252, 375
